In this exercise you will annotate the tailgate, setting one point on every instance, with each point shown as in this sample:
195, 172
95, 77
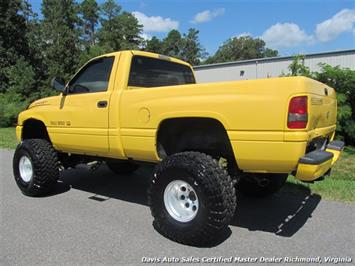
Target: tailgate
322, 105
321, 152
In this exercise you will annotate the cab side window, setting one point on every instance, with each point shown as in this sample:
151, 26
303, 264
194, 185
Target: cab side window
94, 77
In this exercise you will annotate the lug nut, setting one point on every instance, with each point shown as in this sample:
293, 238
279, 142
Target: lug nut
192, 196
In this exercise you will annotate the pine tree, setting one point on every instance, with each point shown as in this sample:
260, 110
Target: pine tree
60, 37
154, 45
172, 44
89, 10
118, 30
192, 50
130, 31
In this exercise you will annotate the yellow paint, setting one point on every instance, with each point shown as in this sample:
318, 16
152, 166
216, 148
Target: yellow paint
309, 172
336, 155
253, 112
19, 132
268, 156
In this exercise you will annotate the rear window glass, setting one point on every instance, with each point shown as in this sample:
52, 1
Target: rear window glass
150, 72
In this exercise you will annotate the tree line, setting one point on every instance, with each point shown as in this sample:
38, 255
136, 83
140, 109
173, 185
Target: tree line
69, 33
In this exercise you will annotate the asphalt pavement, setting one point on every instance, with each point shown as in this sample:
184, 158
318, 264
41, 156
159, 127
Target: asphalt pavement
98, 218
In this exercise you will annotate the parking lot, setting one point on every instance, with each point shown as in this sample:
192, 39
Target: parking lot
102, 219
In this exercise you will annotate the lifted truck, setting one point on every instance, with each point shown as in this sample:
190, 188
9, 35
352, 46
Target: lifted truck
208, 140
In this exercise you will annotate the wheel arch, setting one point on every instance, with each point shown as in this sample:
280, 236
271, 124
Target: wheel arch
34, 129
203, 134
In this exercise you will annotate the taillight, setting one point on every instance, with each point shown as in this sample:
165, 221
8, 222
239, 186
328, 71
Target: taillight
297, 112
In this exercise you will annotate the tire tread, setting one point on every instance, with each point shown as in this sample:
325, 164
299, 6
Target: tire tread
46, 167
219, 189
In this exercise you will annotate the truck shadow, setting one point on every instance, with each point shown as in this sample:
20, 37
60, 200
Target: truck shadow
282, 214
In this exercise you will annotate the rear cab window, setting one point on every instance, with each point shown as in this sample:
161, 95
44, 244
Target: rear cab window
150, 72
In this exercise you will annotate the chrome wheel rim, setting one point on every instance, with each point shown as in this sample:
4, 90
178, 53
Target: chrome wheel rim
181, 201
26, 169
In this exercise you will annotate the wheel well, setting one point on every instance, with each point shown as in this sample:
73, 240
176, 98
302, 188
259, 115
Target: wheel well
205, 135
34, 129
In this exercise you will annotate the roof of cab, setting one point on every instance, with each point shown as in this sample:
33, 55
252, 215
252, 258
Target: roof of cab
147, 54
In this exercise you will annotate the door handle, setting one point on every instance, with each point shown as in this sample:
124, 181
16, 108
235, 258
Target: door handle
102, 104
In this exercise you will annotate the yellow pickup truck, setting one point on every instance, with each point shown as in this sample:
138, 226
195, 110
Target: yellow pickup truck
208, 140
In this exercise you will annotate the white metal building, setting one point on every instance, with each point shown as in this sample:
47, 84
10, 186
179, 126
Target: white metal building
270, 67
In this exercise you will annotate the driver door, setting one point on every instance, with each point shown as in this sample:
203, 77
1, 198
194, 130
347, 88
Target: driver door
82, 122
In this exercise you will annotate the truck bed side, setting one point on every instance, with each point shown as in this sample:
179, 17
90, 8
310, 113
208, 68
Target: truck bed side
254, 113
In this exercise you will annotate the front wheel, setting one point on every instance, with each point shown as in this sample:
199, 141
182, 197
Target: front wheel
191, 198
35, 167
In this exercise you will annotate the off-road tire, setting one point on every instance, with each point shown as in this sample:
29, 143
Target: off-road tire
214, 189
44, 164
121, 168
252, 189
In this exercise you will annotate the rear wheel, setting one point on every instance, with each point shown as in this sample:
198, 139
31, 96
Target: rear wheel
122, 167
35, 167
191, 198
261, 185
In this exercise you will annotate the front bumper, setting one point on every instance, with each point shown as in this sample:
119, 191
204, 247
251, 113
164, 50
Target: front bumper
19, 133
315, 164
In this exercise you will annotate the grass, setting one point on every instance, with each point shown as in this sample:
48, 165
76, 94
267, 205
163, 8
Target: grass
8, 138
331, 188
339, 186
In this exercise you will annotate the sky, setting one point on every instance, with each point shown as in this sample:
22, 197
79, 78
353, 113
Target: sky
290, 26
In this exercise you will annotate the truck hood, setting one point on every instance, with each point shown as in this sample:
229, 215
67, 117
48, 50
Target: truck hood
43, 102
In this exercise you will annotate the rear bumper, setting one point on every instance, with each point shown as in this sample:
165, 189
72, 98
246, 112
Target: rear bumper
315, 164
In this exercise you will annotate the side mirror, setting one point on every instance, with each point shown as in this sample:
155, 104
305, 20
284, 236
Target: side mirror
58, 84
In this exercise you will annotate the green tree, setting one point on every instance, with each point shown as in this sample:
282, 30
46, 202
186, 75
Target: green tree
298, 68
270, 53
36, 56
19, 79
13, 41
154, 45
91, 52
118, 30
241, 48
22, 78
186, 47
11, 103
130, 31
192, 50
343, 81
172, 44
89, 10
60, 39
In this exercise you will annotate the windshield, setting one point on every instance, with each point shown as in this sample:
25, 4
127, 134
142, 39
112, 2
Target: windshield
151, 72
